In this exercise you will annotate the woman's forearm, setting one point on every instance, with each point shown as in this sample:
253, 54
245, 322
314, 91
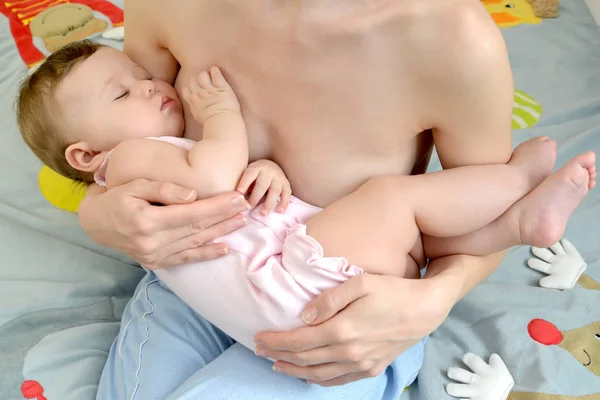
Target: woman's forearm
459, 274
87, 209
93, 190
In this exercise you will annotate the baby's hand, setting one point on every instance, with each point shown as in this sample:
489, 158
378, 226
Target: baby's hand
209, 94
266, 176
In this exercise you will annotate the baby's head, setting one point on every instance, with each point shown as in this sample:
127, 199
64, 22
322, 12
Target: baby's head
86, 98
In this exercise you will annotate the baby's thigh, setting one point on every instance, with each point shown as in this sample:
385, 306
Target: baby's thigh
373, 228
161, 343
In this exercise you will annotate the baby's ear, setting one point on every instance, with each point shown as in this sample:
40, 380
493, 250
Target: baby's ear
81, 157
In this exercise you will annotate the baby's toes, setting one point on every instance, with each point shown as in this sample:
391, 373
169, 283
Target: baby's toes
217, 77
592, 172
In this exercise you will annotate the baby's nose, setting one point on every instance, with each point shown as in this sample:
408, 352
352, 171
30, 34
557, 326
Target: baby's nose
147, 87
544, 332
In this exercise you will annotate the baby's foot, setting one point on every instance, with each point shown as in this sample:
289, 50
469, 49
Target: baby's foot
544, 213
209, 94
536, 158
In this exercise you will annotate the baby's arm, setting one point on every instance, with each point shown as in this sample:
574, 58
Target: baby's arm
214, 165
222, 154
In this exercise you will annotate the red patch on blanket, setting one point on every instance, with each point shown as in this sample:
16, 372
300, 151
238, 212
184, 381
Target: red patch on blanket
32, 390
544, 332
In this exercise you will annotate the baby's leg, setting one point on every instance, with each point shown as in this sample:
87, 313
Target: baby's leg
539, 219
382, 213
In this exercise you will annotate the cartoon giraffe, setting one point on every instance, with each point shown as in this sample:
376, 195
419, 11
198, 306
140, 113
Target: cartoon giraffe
56, 22
564, 263
582, 343
588, 283
494, 381
544, 396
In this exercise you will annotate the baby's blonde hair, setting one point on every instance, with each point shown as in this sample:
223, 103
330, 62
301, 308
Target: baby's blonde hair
40, 117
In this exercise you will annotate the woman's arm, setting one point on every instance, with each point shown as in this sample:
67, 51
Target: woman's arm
470, 108
461, 273
142, 41
358, 328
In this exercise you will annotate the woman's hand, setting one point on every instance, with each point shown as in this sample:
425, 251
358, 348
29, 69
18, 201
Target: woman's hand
357, 329
125, 219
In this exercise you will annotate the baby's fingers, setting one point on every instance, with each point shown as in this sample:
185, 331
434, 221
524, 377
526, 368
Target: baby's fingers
272, 197
284, 198
185, 93
217, 77
249, 176
261, 185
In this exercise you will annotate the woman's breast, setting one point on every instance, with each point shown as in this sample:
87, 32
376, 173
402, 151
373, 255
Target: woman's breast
332, 110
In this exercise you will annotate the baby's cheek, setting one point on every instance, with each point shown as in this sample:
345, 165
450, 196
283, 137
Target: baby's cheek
167, 89
179, 126
150, 124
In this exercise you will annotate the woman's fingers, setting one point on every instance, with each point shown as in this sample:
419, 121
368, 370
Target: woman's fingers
365, 370
160, 192
192, 248
201, 214
344, 353
332, 301
300, 339
202, 253
323, 372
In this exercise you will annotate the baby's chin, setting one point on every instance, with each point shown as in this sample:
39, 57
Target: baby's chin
174, 131
175, 128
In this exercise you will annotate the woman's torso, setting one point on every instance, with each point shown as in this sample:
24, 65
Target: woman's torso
326, 92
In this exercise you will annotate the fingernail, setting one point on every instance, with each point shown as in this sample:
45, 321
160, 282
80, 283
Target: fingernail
241, 221
223, 251
244, 207
259, 351
277, 368
236, 201
309, 315
264, 211
185, 194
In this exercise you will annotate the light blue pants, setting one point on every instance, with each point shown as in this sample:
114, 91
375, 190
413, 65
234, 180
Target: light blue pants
165, 350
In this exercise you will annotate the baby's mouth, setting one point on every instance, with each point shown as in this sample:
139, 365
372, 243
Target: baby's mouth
590, 358
165, 102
